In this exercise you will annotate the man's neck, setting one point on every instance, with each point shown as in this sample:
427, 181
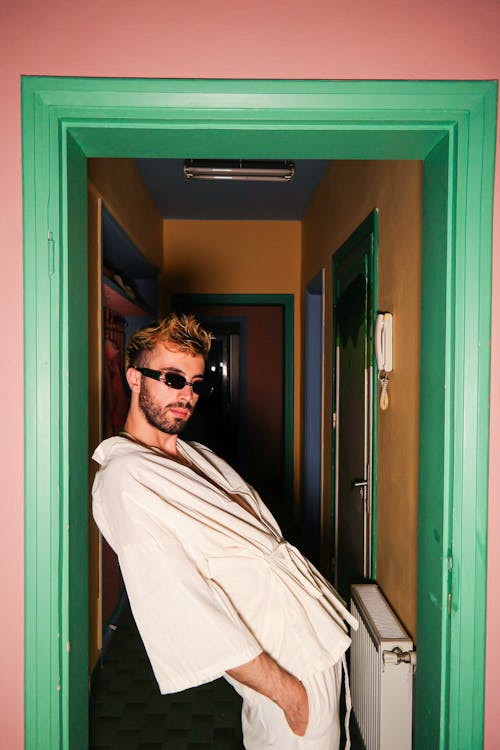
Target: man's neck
142, 431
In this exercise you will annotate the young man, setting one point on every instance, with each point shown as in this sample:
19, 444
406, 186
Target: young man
213, 586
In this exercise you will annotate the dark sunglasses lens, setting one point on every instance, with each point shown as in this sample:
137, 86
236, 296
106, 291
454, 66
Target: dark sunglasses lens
173, 380
201, 388
178, 382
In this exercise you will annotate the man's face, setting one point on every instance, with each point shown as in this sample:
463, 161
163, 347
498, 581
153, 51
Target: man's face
166, 408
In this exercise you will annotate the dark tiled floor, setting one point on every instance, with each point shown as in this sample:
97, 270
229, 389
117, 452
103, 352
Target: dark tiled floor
127, 711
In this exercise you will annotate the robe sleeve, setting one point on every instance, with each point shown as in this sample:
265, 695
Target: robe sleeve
190, 629
191, 632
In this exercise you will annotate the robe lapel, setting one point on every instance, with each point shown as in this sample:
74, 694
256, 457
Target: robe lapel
214, 468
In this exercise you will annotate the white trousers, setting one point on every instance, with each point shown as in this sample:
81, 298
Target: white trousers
265, 727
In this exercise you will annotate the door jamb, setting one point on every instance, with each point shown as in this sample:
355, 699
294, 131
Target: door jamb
312, 508
451, 125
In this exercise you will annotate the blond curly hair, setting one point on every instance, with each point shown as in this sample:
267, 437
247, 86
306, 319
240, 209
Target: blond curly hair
179, 332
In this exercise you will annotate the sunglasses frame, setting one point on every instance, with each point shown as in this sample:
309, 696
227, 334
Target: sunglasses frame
163, 378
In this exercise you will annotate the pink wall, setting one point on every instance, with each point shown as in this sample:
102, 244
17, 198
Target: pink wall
325, 39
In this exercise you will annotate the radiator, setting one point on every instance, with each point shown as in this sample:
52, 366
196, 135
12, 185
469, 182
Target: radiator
382, 663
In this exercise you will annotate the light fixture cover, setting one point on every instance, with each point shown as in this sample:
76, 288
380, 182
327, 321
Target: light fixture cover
238, 169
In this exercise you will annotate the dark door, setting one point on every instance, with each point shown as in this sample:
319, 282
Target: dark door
353, 410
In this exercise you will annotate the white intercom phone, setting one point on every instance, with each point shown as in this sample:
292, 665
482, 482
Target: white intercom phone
383, 354
383, 341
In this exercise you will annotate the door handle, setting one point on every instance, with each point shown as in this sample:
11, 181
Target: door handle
360, 483
362, 486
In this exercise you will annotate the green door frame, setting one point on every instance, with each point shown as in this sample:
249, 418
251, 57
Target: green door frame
286, 301
449, 125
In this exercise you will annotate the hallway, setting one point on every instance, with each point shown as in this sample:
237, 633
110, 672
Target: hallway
214, 269
127, 712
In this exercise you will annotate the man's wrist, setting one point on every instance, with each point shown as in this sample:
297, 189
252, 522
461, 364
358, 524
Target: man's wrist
265, 675
289, 690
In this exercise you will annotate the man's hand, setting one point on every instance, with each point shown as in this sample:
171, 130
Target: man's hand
265, 676
296, 708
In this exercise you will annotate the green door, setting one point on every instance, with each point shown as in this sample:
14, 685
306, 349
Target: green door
353, 407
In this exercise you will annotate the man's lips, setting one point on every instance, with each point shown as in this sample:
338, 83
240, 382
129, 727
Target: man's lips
180, 412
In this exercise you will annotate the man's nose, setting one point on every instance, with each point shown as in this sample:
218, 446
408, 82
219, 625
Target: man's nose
187, 391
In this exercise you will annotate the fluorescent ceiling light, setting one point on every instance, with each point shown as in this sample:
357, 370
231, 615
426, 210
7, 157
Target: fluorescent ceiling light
254, 171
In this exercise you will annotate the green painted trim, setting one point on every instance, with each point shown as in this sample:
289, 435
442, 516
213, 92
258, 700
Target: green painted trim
56, 533
435, 411
42, 406
74, 467
293, 119
469, 413
228, 299
368, 227
287, 302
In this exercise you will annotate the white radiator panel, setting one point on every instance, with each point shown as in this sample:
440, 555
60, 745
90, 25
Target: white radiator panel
381, 692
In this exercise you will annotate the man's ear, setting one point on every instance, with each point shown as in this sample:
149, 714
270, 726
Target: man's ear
134, 379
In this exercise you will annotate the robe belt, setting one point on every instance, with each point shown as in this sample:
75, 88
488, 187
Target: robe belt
287, 558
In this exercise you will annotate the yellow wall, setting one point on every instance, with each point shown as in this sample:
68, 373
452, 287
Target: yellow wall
346, 195
238, 257
243, 257
117, 184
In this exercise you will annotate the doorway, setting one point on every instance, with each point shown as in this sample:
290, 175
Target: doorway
218, 422
448, 125
266, 381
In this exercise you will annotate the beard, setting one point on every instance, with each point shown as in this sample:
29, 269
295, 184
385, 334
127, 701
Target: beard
157, 415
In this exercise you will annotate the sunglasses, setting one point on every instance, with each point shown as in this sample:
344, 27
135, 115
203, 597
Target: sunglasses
176, 381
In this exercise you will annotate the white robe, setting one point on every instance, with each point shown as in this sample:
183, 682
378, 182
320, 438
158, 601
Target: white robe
210, 585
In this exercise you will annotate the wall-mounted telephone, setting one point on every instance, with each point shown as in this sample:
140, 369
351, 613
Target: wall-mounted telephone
383, 341
383, 354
